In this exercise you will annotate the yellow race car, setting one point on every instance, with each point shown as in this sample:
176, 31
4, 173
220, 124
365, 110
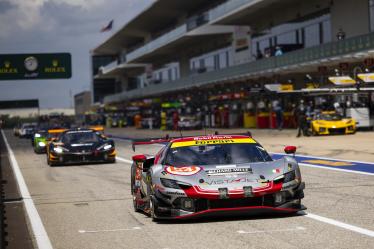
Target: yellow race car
332, 123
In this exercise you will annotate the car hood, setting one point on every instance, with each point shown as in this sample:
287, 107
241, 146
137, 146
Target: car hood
78, 147
232, 177
343, 122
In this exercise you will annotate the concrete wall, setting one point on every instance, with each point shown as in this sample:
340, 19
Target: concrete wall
350, 15
184, 66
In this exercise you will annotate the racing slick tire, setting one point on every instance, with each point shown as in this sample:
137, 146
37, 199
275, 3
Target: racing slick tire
133, 189
153, 208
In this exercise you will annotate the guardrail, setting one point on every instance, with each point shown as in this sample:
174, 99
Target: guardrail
298, 57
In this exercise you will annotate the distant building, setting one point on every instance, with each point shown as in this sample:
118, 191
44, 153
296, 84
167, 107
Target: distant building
219, 55
200, 43
82, 102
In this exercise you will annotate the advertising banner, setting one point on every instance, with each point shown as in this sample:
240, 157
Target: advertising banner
366, 77
35, 66
342, 80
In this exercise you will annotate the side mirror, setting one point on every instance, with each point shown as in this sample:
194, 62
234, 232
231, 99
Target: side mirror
290, 149
139, 158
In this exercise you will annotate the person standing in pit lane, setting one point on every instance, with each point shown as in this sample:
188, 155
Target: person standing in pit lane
302, 123
277, 108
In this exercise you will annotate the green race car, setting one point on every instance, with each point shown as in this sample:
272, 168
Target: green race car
40, 141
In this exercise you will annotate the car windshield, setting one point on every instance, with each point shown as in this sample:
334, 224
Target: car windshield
218, 154
42, 133
80, 137
331, 117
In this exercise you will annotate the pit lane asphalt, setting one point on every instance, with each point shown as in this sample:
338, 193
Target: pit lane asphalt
90, 206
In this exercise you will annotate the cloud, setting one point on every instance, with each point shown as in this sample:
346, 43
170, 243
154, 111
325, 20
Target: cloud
48, 26
5, 6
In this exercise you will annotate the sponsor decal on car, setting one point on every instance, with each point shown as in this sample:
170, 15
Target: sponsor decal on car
183, 171
229, 181
79, 145
228, 171
276, 170
212, 142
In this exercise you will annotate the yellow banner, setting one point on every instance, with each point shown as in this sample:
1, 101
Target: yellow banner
212, 142
286, 87
342, 80
366, 77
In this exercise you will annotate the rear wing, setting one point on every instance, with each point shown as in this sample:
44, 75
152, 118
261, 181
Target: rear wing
168, 139
97, 128
55, 131
150, 141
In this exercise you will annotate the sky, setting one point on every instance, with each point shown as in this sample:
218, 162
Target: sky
50, 26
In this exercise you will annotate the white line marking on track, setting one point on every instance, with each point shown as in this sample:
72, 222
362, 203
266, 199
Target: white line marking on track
341, 224
109, 230
123, 160
326, 158
337, 169
40, 234
271, 231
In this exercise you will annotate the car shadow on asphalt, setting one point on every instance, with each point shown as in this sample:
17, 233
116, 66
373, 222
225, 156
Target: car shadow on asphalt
225, 217
82, 164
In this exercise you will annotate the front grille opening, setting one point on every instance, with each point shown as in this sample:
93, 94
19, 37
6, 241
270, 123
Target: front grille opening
337, 131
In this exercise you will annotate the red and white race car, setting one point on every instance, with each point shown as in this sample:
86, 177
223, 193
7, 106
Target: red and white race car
210, 175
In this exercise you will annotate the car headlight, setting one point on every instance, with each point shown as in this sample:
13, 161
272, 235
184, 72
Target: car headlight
169, 183
60, 150
37, 135
41, 144
105, 147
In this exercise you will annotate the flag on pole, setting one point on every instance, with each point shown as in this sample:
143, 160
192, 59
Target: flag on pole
107, 27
